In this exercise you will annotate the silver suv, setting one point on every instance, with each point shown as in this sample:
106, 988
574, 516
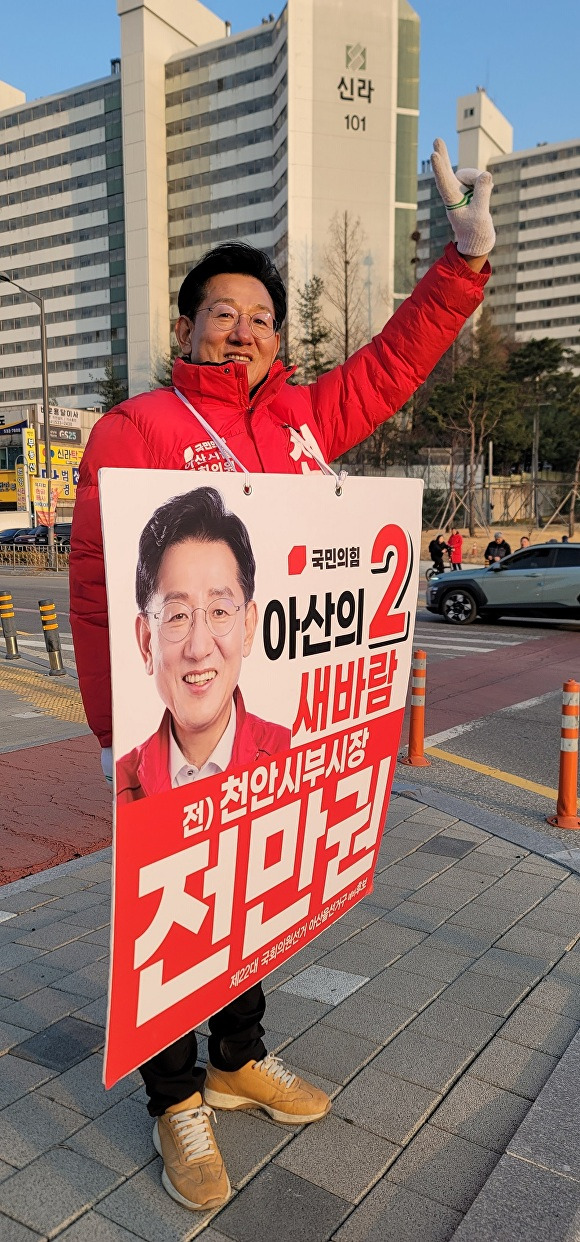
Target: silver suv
540, 581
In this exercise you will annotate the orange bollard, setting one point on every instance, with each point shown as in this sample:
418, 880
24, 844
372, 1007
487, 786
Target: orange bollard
415, 752
567, 806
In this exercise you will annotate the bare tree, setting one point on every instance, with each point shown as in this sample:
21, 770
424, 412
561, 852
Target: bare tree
472, 406
344, 283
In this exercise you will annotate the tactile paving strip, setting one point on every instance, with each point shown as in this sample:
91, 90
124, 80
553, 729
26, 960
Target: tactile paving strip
63, 702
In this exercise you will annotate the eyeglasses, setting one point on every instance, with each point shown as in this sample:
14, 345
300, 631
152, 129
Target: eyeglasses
176, 620
262, 324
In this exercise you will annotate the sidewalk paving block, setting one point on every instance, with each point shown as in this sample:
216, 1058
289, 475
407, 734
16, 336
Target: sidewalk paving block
50, 1192
278, 1204
61, 1045
443, 1167
392, 1213
390, 1107
347, 1162
521, 1203
425, 1061
481, 1113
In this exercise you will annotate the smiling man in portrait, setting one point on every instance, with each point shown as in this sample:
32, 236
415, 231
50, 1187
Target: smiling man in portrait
196, 623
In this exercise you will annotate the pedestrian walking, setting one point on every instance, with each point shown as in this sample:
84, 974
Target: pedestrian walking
455, 544
232, 306
524, 542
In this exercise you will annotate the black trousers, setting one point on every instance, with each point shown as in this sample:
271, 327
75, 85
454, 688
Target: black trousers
235, 1038
456, 565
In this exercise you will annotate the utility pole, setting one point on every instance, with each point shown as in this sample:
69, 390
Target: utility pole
346, 291
535, 461
489, 474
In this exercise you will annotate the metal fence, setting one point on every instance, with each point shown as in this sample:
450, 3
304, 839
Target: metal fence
32, 557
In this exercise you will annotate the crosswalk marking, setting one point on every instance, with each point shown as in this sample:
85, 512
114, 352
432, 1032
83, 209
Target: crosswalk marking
450, 642
456, 647
428, 635
39, 642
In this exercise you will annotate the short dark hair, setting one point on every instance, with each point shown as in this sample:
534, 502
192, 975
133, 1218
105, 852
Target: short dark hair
200, 514
234, 257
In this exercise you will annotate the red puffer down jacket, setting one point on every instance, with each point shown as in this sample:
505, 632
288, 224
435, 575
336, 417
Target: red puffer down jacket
156, 431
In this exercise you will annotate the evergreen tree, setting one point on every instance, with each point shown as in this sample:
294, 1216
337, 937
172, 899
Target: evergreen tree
112, 390
162, 377
314, 332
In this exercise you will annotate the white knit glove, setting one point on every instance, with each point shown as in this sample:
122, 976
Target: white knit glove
107, 763
466, 197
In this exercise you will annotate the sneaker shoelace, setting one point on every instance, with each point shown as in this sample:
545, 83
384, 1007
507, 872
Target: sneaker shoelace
274, 1068
191, 1128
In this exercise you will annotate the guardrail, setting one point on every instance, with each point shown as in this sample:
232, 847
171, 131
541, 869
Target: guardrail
33, 556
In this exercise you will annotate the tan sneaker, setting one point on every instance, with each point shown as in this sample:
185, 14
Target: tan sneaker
269, 1085
193, 1169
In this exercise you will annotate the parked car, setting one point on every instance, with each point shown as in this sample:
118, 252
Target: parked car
26, 536
61, 534
539, 581
38, 535
7, 536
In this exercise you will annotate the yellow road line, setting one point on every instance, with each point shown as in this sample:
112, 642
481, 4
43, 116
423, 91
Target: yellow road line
508, 777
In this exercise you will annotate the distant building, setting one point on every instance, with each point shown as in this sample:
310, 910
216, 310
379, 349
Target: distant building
535, 287
62, 235
110, 192
22, 442
536, 282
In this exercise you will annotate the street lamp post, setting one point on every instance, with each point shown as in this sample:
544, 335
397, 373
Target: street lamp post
39, 301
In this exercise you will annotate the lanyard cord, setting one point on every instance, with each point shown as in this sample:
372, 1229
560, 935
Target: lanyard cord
310, 448
221, 444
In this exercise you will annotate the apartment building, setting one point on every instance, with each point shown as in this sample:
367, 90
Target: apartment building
535, 287
62, 236
536, 282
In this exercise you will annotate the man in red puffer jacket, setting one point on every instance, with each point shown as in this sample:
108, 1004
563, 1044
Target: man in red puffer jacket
232, 306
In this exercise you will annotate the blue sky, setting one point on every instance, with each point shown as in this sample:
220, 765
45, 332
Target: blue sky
524, 52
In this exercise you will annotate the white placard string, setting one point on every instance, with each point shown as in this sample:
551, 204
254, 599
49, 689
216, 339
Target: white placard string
224, 449
310, 448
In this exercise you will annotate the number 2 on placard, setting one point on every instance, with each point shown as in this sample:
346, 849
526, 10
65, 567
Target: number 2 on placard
392, 554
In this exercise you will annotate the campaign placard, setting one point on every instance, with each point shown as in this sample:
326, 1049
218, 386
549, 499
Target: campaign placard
260, 649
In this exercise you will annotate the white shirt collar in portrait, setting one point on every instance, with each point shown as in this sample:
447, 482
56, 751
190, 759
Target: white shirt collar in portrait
184, 773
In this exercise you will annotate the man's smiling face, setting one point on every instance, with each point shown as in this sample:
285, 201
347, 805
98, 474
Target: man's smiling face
196, 677
203, 341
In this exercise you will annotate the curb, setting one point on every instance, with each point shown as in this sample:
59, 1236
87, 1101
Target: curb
52, 873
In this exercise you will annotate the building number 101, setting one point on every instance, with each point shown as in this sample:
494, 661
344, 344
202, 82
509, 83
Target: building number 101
355, 122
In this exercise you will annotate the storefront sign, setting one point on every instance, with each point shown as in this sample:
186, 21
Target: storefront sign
22, 488
29, 449
59, 416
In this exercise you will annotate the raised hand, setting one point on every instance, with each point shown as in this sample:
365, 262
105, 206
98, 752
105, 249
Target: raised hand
466, 196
